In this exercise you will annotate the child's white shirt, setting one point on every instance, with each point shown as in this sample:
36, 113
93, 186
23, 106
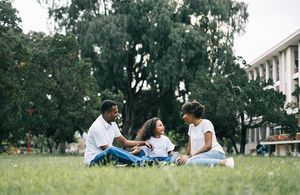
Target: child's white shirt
161, 147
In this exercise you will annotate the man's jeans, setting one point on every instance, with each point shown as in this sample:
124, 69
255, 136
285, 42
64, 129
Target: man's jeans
125, 157
209, 158
121, 156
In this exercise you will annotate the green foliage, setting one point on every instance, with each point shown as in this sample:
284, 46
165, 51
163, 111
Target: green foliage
60, 86
9, 20
152, 46
235, 104
68, 175
218, 97
14, 54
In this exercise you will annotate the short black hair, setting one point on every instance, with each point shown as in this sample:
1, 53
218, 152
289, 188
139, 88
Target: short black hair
107, 105
195, 108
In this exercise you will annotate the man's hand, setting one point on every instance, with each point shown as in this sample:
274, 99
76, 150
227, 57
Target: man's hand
149, 145
182, 159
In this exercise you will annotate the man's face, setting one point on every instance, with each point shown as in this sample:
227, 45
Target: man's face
112, 114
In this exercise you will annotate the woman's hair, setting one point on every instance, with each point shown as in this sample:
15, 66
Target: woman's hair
148, 128
194, 108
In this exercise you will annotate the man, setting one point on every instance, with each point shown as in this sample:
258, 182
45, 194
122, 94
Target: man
101, 135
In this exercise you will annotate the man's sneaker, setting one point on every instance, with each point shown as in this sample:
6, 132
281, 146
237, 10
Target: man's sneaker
229, 162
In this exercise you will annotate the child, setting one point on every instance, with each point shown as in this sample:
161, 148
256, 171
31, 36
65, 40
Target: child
153, 132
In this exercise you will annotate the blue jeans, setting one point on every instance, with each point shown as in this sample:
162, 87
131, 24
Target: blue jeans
168, 159
209, 158
120, 155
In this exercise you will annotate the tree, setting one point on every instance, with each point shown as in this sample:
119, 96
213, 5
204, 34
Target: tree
217, 94
235, 104
152, 45
61, 87
259, 106
13, 56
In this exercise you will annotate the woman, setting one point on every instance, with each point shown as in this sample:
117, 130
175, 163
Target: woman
203, 147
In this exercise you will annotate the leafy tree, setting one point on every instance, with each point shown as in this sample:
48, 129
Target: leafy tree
61, 87
13, 57
235, 104
217, 94
152, 45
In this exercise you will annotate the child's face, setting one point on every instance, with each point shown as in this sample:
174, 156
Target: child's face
160, 128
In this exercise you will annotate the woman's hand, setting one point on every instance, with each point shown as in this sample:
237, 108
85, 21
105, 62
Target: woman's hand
182, 159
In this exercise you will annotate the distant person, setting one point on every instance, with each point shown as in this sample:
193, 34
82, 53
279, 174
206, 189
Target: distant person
261, 149
101, 135
203, 148
153, 132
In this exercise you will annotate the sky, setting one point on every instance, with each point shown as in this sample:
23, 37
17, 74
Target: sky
270, 21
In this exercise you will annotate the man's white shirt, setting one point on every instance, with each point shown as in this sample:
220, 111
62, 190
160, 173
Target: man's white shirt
100, 133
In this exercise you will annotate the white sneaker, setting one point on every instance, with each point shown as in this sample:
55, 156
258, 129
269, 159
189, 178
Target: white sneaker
229, 162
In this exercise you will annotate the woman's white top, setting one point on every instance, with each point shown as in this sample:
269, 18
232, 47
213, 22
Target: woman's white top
196, 134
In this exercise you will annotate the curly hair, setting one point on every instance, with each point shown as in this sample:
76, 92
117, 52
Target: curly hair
148, 128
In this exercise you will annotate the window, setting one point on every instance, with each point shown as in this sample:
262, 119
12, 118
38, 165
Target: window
252, 135
250, 76
296, 84
296, 61
270, 69
263, 76
277, 68
263, 132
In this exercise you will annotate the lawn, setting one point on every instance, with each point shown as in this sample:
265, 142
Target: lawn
37, 174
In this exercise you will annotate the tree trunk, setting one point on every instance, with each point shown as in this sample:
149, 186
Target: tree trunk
1, 147
128, 115
62, 147
243, 134
49, 145
129, 95
234, 145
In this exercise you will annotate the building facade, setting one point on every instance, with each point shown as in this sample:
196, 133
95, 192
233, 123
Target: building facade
281, 64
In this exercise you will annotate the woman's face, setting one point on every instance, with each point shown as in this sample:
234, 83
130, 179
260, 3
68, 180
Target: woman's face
188, 118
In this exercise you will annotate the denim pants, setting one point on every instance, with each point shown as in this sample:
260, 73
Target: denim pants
120, 155
209, 158
168, 159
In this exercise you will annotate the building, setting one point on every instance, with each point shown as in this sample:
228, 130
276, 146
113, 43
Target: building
281, 64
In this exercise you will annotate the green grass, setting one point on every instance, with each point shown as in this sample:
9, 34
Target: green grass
36, 174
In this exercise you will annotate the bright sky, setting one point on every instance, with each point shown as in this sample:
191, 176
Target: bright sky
270, 22
33, 16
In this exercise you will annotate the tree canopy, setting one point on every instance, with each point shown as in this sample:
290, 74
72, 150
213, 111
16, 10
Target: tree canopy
153, 45
148, 55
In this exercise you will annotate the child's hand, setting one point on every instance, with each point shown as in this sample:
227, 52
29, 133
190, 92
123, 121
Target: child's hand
136, 149
149, 145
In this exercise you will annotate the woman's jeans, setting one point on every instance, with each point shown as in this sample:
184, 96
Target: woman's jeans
209, 158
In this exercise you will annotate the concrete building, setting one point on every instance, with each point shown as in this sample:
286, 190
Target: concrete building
281, 64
